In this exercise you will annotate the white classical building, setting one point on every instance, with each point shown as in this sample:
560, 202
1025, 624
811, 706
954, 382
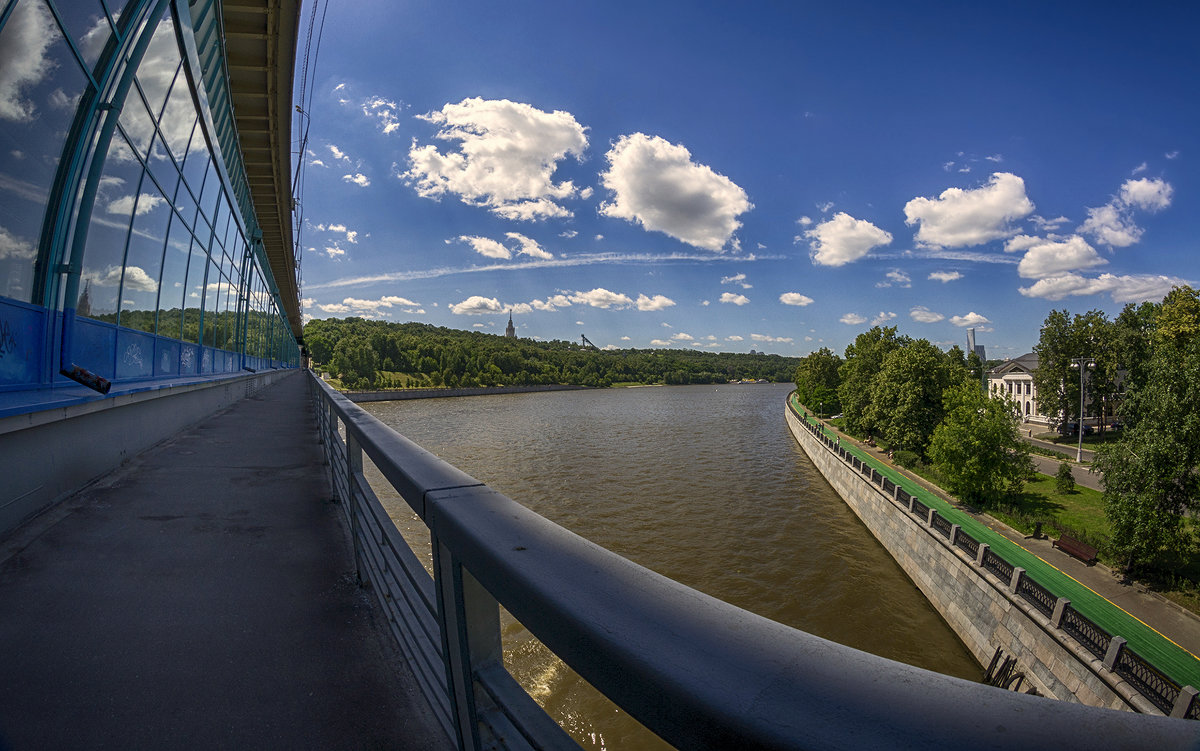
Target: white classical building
1014, 379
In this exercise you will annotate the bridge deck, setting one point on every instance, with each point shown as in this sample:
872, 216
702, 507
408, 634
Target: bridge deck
202, 596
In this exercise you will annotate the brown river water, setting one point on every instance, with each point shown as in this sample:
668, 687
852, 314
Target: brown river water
704, 484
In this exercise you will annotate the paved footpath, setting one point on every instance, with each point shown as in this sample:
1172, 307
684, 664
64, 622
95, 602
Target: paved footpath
1179, 626
202, 597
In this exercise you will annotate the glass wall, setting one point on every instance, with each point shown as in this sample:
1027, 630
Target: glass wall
122, 248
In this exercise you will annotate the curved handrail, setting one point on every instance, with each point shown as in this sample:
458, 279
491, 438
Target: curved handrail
702, 673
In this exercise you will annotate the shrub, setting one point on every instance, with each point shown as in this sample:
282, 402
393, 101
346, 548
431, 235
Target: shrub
1064, 481
907, 459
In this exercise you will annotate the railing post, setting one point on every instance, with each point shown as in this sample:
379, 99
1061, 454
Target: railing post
1018, 572
1115, 647
1059, 608
954, 532
354, 467
982, 553
1183, 702
929, 517
469, 618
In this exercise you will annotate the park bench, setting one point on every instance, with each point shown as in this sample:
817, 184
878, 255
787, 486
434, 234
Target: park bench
1080, 550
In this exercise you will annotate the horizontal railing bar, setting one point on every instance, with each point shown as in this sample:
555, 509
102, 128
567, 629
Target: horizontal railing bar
699, 672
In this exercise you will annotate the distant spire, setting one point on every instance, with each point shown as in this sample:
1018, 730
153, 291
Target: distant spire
510, 331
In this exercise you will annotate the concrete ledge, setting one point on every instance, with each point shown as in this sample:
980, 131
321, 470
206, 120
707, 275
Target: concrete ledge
48, 454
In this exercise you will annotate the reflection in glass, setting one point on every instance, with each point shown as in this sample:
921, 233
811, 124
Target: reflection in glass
143, 261
40, 83
112, 215
197, 268
212, 304
178, 118
87, 24
160, 65
137, 122
163, 169
197, 162
170, 294
212, 187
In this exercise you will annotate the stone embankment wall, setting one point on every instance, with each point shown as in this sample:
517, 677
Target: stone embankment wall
398, 394
981, 608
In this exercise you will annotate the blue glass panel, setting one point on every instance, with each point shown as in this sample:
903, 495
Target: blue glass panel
93, 345
22, 337
135, 354
166, 360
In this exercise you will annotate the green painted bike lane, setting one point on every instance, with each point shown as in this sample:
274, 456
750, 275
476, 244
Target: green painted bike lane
1174, 661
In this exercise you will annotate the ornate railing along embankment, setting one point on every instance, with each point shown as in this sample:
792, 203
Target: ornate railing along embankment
700, 673
1116, 655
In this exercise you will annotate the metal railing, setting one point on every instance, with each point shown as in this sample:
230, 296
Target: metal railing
1156, 687
698, 672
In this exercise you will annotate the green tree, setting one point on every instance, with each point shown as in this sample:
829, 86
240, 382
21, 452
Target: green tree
864, 358
1062, 340
906, 394
817, 380
976, 448
1152, 475
354, 361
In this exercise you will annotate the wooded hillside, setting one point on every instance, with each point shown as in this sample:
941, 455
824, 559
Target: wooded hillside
381, 354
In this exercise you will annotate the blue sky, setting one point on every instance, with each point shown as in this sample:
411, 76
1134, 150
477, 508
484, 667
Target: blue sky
737, 176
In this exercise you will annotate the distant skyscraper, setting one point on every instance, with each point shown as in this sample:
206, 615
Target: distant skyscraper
510, 331
973, 347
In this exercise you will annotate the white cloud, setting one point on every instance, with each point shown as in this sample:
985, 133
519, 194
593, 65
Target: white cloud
1048, 225
601, 298
485, 246
660, 343
844, 239
1018, 243
739, 279
945, 276
1112, 223
568, 233
12, 246
124, 204
922, 314
882, 318
138, 280
1051, 257
1172, 154
804, 221
338, 153
371, 308
1140, 169
771, 339
735, 299
825, 207
476, 305
734, 338
895, 277
358, 179
317, 163
507, 156
658, 302
682, 337
795, 298
656, 184
970, 319
383, 110
528, 246
1147, 194
341, 229
1123, 289
852, 319
24, 62
959, 218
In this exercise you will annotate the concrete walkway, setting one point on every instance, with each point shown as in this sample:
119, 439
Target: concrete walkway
202, 597
1170, 620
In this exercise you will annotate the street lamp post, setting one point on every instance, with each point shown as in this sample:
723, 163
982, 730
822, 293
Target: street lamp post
1081, 364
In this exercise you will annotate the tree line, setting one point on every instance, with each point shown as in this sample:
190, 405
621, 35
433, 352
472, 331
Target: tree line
382, 354
1140, 369
926, 405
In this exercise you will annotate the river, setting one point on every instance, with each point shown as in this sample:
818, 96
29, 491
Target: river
703, 484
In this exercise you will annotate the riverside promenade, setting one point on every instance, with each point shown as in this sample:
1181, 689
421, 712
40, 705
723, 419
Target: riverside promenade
1160, 630
202, 596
